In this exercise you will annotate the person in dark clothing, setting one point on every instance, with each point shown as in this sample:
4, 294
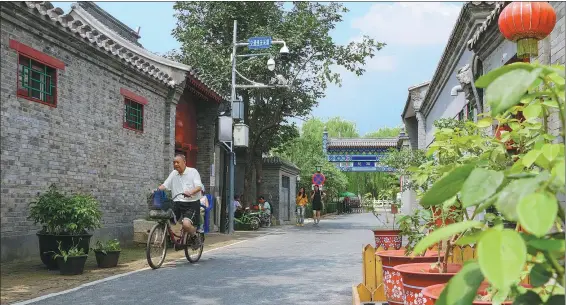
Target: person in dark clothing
316, 198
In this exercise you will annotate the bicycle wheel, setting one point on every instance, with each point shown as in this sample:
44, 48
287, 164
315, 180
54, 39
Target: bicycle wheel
194, 247
254, 223
156, 248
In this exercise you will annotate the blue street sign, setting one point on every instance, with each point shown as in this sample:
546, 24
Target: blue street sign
259, 42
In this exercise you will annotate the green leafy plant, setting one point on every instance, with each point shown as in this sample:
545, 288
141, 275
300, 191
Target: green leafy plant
415, 227
108, 246
74, 251
59, 213
525, 189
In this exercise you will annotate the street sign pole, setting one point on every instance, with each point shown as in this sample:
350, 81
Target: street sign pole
232, 159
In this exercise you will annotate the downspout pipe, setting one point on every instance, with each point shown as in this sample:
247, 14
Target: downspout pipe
479, 102
454, 91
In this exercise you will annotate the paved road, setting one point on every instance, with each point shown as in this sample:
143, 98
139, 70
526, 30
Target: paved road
293, 265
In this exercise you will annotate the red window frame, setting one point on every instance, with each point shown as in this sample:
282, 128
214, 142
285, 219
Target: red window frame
132, 97
41, 58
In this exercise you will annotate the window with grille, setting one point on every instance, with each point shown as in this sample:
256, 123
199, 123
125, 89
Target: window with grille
37, 81
470, 112
133, 115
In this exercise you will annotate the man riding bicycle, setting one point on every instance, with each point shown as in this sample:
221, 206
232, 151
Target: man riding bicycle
185, 180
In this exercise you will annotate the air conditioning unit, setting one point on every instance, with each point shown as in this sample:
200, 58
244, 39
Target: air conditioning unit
241, 135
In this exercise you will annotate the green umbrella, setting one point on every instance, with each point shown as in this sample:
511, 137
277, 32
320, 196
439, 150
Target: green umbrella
347, 194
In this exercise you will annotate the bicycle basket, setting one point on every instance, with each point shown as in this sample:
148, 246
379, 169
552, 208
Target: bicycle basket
160, 214
159, 201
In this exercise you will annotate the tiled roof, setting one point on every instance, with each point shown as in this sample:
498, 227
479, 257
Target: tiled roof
79, 22
383, 142
490, 21
278, 161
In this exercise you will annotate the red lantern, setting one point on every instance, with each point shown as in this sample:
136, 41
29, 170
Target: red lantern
527, 23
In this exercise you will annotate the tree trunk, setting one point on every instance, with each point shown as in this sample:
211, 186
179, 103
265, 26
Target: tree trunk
258, 174
248, 176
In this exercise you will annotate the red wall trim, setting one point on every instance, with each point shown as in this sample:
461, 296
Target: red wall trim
136, 98
37, 55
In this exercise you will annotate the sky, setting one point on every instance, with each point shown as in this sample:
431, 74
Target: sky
416, 34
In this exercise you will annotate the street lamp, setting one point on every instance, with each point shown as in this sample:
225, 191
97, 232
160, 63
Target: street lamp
239, 132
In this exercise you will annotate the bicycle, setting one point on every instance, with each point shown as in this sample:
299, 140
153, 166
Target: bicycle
248, 217
162, 233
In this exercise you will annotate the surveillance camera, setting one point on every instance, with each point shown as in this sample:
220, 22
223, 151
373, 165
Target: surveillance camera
271, 64
284, 50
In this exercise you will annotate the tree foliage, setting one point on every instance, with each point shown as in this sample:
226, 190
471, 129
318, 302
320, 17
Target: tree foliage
306, 152
205, 31
384, 132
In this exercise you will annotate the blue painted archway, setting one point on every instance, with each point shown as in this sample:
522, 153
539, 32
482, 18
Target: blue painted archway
360, 154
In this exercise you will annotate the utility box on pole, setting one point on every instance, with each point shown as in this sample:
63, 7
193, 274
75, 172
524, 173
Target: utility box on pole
225, 129
241, 135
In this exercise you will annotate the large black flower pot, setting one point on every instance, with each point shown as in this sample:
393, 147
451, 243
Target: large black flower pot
73, 266
49, 244
108, 260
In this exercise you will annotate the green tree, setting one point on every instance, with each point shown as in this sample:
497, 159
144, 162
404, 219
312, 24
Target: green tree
306, 152
384, 132
205, 28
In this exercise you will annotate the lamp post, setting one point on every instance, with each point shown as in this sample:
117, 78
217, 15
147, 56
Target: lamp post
240, 132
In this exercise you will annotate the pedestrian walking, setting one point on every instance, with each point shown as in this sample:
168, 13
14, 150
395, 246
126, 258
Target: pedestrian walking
316, 199
302, 201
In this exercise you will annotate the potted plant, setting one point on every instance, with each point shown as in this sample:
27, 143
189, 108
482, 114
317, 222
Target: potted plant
456, 142
65, 220
71, 261
387, 238
483, 296
107, 253
394, 292
524, 189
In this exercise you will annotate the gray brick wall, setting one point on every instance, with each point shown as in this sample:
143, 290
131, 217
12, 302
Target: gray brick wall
81, 145
551, 51
411, 127
272, 190
206, 135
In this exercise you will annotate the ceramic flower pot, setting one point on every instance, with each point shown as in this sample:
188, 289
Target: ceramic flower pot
387, 239
49, 245
417, 276
74, 265
434, 291
108, 260
392, 280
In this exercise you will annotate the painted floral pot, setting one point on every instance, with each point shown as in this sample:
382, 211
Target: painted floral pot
393, 283
417, 276
387, 239
434, 291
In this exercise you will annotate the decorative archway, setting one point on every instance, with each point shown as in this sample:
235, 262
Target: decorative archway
360, 154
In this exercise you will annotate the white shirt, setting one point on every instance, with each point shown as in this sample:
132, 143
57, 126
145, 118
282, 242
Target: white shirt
188, 181
267, 206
